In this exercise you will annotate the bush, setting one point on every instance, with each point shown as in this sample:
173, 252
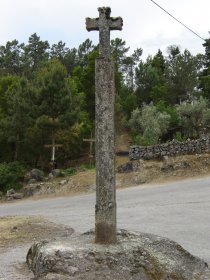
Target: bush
194, 117
69, 171
11, 175
148, 124
87, 166
180, 137
140, 140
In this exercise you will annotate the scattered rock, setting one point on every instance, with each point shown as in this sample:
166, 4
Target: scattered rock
11, 194
34, 174
50, 176
125, 168
17, 196
32, 181
135, 256
56, 173
182, 165
167, 167
14, 229
139, 179
63, 182
31, 189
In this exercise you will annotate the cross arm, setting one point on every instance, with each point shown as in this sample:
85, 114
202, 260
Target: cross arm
92, 24
115, 23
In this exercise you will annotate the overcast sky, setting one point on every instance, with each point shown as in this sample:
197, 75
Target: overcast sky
145, 25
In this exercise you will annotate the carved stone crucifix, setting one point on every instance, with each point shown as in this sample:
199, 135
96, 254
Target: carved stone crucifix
104, 24
105, 208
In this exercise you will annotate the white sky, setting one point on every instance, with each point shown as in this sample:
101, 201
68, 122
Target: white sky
145, 25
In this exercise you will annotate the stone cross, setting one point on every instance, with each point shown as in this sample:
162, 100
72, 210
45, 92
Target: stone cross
104, 24
105, 208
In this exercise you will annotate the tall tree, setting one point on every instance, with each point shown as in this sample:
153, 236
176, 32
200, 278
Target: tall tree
205, 74
70, 60
17, 116
59, 51
35, 52
58, 100
85, 80
83, 51
146, 80
129, 65
181, 75
11, 58
68, 57
159, 90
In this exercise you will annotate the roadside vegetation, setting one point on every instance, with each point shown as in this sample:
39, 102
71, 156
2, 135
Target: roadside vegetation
47, 98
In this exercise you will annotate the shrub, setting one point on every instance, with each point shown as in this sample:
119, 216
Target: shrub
180, 137
69, 171
194, 117
11, 175
86, 166
148, 124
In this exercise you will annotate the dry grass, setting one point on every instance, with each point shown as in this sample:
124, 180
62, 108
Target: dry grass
17, 230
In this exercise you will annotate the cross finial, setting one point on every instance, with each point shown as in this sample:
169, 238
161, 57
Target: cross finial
104, 10
104, 24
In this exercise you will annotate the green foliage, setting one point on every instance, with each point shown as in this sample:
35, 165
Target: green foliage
17, 117
10, 175
35, 54
180, 137
150, 80
172, 79
149, 124
85, 82
86, 166
47, 94
194, 117
69, 171
171, 111
205, 74
181, 75
141, 140
11, 58
59, 103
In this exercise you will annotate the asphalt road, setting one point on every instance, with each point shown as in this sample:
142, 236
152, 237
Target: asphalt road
178, 210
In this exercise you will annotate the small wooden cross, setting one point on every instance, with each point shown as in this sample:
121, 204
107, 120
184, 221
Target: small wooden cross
91, 141
53, 146
104, 24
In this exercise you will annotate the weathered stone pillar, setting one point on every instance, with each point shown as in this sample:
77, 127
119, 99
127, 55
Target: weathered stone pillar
105, 209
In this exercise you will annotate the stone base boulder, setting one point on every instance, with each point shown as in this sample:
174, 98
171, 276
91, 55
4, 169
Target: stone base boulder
136, 256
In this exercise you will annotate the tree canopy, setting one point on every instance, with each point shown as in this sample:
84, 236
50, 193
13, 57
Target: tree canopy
47, 96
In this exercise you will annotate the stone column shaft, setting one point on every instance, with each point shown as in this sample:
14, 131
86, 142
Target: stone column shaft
105, 208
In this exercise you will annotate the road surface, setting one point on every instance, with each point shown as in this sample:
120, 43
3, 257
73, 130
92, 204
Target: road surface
178, 210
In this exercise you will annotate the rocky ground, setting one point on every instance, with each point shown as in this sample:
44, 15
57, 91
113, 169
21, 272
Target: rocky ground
20, 230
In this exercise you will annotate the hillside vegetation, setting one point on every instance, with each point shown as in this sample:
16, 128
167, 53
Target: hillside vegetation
47, 99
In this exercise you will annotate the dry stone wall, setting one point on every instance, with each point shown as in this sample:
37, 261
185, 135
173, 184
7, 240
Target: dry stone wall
172, 148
